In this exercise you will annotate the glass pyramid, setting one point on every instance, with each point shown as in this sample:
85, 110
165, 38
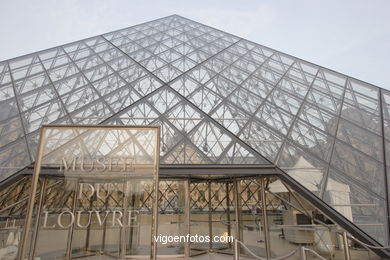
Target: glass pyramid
219, 99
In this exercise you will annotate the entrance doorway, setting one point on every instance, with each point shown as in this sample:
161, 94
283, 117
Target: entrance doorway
82, 217
212, 211
201, 205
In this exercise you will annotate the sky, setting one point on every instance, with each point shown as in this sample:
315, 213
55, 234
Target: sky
348, 36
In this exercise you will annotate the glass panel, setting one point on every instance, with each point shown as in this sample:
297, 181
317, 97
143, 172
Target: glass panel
324, 101
361, 117
164, 100
10, 130
31, 66
295, 222
319, 118
99, 203
302, 72
357, 204
13, 158
211, 214
274, 117
262, 139
36, 98
250, 224
205, 99
303, 167
361, 139
359, 167
386, 112
14, 203
184, 117
284, 101
172, 216
185, 85
5, 76
315, 141
47, 113
245, 100
293, 87
231, 117
221, 86
200, 211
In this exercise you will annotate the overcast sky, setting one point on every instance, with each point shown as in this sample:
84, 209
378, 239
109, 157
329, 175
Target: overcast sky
349, 36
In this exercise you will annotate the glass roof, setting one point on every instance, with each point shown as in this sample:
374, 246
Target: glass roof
219, 99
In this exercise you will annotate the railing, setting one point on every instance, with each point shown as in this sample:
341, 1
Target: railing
303, 250
303, 253
236, 252
367, 245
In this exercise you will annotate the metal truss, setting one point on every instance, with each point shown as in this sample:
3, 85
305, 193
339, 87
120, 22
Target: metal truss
218, 98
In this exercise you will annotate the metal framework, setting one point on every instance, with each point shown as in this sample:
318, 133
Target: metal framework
219, 99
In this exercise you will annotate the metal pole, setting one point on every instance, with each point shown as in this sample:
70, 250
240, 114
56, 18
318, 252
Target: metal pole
154, 219
384, 154
236, 253
156, 194
36, 229
124, 222
346, 246
31, 201
132, 223
303, 253
71, 228
105, 223
237, 209
210, 217
87, 237
187, 249
228, 213
265, 220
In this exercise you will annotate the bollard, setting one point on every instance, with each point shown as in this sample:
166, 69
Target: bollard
236, 253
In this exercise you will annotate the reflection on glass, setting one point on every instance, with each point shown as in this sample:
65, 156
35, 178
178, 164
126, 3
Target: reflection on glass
103, 202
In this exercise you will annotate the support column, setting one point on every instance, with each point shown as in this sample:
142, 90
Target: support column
155, 213
236, 253
303, 253
124, 222
70, 232
39, 213
346, 246
228, 213
187, 248
265, 219
31, 200
132, 223
237, 211
106, 201
210, 217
